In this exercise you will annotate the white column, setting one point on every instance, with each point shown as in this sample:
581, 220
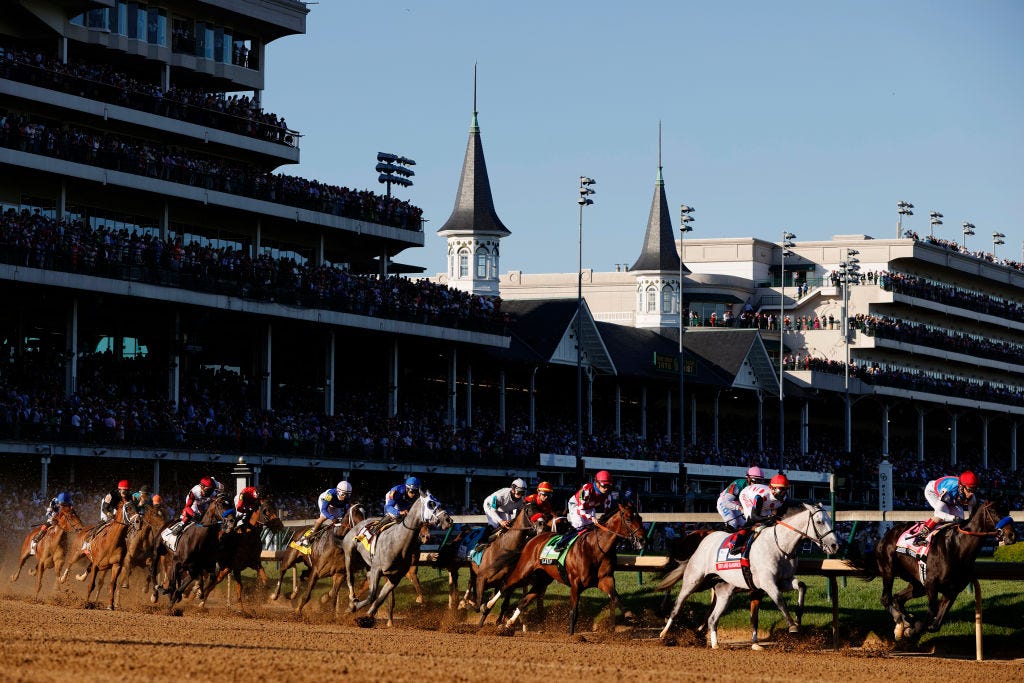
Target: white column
469, 394
466, 496
173, 363
984, 441
329, 373
952, 438
71, 344
453, 407
885, 429
266, 368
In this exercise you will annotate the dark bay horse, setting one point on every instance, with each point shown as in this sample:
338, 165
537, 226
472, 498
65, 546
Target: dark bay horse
589, 562
241, 547
324, 554
949, 566
499, 559
195, 555
143, 540
52, 547
392, 555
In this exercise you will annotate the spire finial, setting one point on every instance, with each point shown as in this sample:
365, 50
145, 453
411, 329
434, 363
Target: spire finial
474, 88
659, 143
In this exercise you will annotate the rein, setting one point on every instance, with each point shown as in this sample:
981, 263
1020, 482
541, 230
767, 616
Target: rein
810, 521
619, 534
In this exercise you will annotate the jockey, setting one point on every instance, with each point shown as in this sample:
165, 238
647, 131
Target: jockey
760, 503
334, 504
246, 504
728, 500
199, 498
951, 498
593, 498
400, 498
111, 501
142, 498
502, 506
56, 503
542, 499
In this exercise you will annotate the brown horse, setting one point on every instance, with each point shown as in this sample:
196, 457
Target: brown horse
949, 566
589, 562
499, 559
143, 539
106, 547
194, 556
241, 547
52, 547
293, 558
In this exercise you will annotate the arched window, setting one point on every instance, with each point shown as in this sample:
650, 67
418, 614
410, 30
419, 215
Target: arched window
481, 263
668, 297
463, 264
652, 300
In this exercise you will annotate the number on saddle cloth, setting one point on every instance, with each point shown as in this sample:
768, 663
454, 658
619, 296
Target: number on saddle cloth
907, 543
469, 545
555, 549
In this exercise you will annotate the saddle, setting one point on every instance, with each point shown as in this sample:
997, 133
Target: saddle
906, 545
551, 553
371, 532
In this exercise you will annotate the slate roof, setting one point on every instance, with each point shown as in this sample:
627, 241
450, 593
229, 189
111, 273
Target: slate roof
474, 206
659, 252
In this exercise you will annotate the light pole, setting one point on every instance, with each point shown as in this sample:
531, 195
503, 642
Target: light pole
392, 170
787, 244
934, 218
584, 200
997, 239
903, 209
849, 269
968, 229
684, 227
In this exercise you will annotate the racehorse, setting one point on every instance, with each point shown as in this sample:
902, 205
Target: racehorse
106, 547
322, 548
499, 559
589, 562
392, 554
51, 549
240, 547
143, 540
948, 567
195, 554
772, 565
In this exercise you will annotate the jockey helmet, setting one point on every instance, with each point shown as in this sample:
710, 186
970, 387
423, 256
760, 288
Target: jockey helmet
206, 483
412, 483
343, 487
603, 478
755, 473
63, 499
968, 480
779, 481
123, 484
545, 487
157, 499
518, 486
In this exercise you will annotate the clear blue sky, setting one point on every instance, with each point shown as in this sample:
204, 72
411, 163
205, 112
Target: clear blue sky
816, 116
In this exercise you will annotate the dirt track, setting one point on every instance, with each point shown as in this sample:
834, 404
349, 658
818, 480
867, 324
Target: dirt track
59, 638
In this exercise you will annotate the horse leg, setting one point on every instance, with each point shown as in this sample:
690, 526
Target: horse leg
25, 554
453, 586
607, 584
414, 578
385, 592
722, 593
775, 594
900, 614
115, 572
373, 579
574, 608
540, 584
801, 593
311, 582
938, 615
755, 607
685, 591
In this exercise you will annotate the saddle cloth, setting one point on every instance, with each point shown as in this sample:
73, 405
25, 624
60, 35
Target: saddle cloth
551, 555
727, 559
906, 544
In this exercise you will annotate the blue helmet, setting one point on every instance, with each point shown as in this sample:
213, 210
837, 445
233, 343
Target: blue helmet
412, 483
63, 499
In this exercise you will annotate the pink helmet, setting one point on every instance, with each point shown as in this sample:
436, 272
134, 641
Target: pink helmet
755, 473
603, 477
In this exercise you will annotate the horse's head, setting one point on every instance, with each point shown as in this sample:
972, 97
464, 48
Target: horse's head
525, 519
992, 518
269, 515
219, 512
68, 519
625, 521
819, 527
432, 512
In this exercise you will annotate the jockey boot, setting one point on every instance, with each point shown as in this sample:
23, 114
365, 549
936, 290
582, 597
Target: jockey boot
563, 542
740, 542
922, 536
39, 536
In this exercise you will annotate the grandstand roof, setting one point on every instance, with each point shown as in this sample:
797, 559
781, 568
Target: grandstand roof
739, 355
541, 330
474, 207
659, 252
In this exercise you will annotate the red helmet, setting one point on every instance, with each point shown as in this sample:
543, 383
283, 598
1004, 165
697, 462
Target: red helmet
968, 479
779, 481
123, 484
545, 487
206, 482
603, 477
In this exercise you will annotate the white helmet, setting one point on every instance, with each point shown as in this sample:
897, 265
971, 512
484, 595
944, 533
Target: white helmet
343, 487
518, 484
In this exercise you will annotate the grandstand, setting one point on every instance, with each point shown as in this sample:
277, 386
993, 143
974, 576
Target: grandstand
176, 302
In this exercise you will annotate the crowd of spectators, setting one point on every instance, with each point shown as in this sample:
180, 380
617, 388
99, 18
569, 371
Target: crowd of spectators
953, 245
923, 288
35, 240
239, 114
909, 332
94, 147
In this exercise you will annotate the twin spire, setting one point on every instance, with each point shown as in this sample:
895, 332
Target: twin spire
659, 252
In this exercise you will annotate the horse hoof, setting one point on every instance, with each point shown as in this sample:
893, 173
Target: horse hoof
756, 646
794, 629
364, 622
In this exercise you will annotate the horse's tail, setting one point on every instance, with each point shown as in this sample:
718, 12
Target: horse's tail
673, 577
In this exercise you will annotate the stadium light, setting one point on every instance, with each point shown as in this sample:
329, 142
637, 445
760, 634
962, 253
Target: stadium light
393, 169
934, 218
968, 229
684, 227
903, 209
997, 239
849, 269
586, 190
787, 244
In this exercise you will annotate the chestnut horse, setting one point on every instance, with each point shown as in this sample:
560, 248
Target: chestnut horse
52, 547
106, 547
241, 547
949, 566
143, 541
589, 562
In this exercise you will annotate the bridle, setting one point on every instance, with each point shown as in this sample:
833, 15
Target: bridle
634, 533
1000, 527
818, 539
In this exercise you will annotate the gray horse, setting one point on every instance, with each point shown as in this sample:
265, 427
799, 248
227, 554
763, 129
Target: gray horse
392, 554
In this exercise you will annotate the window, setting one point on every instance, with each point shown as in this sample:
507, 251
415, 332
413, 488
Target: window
667, 299
652, 300
463, 264
481, 263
